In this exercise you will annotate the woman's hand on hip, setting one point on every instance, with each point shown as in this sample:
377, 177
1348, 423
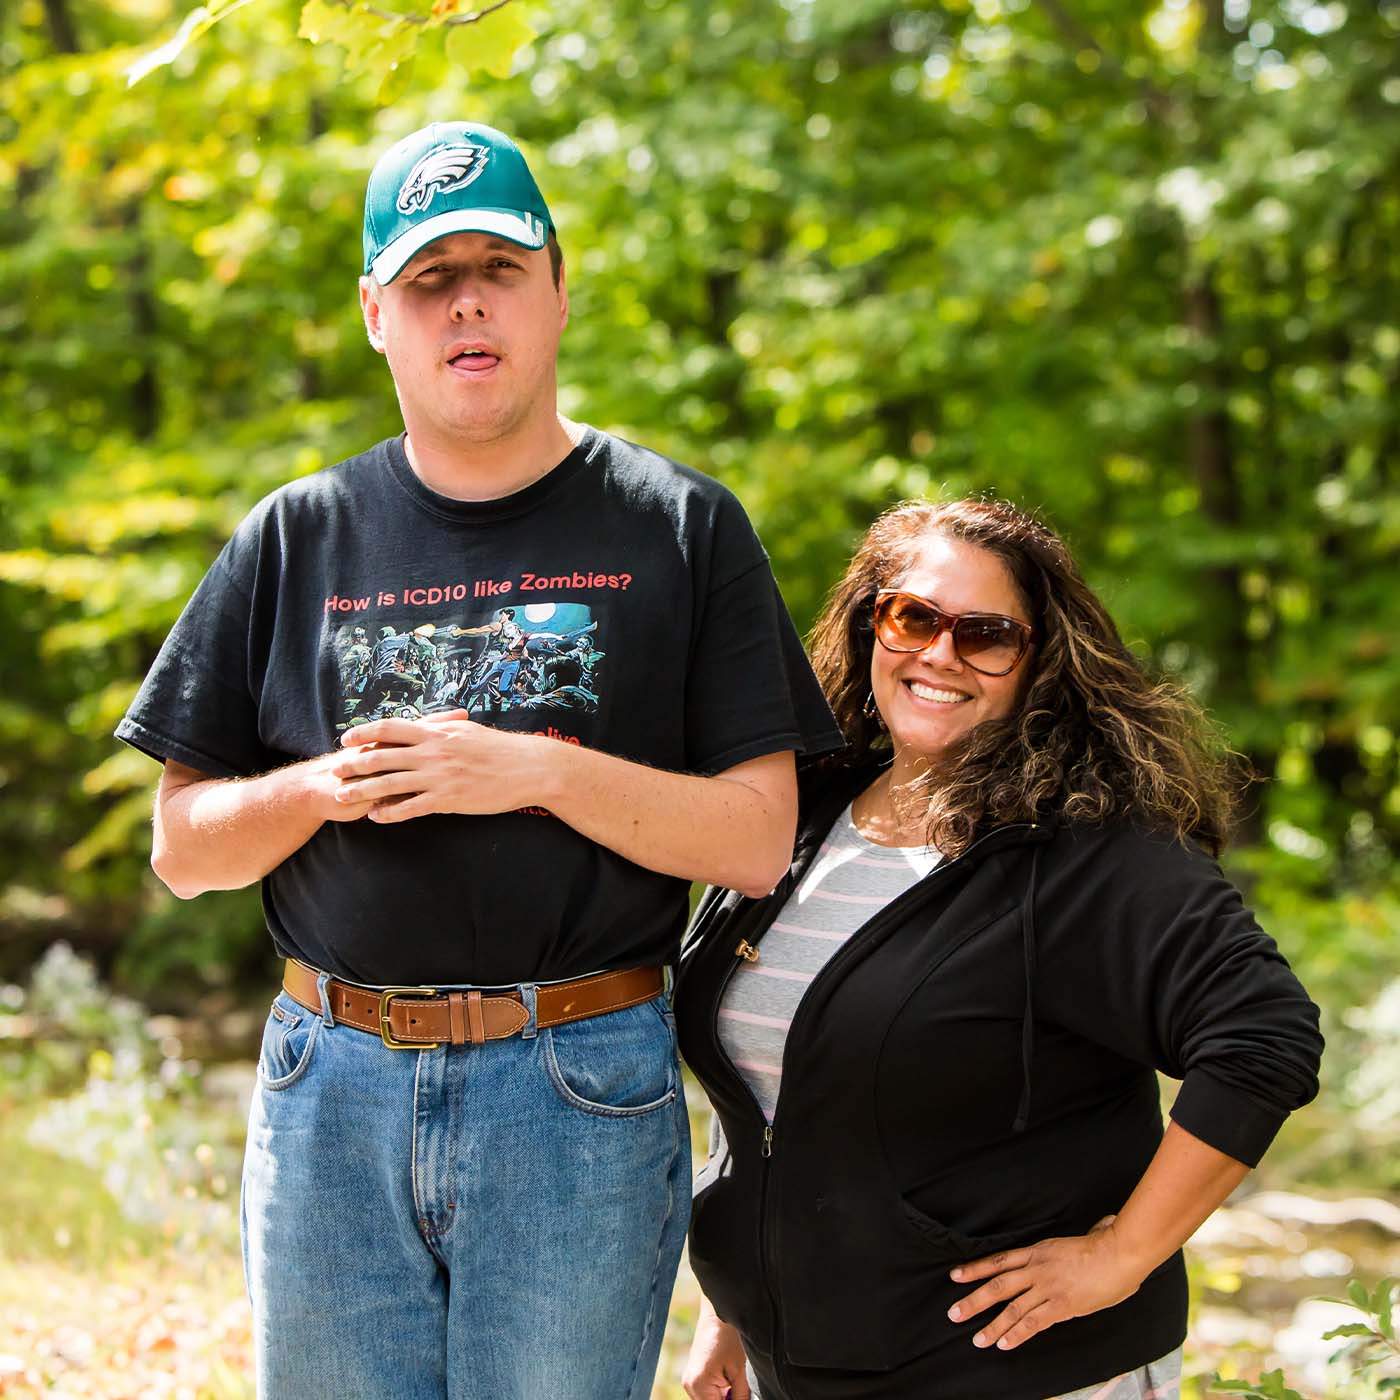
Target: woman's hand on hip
1046, 1283
716, 1368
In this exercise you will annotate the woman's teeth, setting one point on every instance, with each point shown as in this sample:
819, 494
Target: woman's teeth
927, 692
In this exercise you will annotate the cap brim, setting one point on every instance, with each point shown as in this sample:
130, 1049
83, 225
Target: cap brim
528, 230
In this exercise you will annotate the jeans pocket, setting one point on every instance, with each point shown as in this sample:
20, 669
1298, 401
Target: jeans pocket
620, 1065
289, 1038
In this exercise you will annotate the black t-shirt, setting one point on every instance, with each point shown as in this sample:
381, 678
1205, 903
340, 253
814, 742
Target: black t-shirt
622, 602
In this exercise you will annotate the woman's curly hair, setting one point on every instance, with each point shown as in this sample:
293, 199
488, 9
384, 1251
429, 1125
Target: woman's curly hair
1093, 738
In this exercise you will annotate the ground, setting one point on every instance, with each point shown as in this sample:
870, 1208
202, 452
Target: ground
131, 1290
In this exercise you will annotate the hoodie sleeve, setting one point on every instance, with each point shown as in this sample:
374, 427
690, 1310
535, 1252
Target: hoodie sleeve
1145, 947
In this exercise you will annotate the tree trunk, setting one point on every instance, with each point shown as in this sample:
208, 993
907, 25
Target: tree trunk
1210, 453
61, 30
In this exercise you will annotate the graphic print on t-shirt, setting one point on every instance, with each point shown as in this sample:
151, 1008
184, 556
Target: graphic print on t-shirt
534, 658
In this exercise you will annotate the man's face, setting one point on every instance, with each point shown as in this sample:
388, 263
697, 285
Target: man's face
471, 331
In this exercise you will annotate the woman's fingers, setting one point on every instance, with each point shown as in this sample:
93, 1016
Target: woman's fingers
995, 1290
992, 1264
713, 1384
1051, 1281
1016, 1324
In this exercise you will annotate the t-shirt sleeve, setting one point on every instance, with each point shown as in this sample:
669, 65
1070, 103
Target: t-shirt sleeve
1153, 953
196, 705
750, 690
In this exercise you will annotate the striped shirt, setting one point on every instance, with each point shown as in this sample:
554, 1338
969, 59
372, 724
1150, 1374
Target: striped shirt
847, 884
1161, 1380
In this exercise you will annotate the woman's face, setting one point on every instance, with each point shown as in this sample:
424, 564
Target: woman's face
929, 699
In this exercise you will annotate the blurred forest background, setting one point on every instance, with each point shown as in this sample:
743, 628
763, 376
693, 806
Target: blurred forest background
1132, 264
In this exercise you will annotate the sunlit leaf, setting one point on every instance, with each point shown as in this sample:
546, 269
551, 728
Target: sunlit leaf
198, 21
489, 45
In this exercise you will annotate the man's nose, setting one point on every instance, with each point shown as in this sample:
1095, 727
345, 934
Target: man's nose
469, 301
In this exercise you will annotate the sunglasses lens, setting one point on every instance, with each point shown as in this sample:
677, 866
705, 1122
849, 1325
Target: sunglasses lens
905, 623
987, 643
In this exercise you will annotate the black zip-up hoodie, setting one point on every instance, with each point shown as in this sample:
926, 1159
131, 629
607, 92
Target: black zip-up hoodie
972, 1071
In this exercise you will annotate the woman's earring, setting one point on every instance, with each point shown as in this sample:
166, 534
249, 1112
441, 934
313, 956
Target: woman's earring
872, 711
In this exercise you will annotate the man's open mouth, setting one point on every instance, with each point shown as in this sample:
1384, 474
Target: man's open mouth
474, 360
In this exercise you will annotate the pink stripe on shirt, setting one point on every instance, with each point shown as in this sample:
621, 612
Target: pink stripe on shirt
808, 932
752, 1018
759, 1068
760, 971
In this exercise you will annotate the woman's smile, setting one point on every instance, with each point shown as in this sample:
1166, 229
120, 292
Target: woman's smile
934, 694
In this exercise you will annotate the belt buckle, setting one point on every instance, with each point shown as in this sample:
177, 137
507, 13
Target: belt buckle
385, 997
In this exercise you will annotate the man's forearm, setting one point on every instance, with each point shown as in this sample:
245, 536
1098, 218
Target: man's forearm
224, 833
735, 829
722, 830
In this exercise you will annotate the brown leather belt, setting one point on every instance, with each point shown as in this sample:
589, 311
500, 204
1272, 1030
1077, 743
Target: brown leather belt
422, 1018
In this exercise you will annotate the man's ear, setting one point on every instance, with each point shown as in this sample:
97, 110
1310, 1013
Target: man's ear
563, 299
370, 308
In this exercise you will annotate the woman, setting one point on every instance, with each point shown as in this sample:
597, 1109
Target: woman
1002, 919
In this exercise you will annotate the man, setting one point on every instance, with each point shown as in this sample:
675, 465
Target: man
467, 1172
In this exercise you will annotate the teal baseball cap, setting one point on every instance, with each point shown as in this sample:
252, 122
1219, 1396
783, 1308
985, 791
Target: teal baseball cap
450, 177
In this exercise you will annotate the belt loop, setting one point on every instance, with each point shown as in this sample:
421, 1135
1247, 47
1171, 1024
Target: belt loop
323, 991
476, 1022
528, 993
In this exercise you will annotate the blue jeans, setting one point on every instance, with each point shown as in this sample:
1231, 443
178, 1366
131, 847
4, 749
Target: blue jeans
493, 1222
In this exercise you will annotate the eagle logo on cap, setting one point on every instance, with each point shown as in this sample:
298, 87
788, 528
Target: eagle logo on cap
439, 171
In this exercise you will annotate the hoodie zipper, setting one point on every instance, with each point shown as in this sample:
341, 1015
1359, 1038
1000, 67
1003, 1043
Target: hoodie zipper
748, 952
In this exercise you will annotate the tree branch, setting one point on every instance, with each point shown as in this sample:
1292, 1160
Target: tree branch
418, 18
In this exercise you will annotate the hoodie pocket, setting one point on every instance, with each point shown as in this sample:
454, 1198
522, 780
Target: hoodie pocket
951, 1246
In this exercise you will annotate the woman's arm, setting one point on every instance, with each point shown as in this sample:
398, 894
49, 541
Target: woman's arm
717, 1367
1146, 949
1150, 952
1056, 1279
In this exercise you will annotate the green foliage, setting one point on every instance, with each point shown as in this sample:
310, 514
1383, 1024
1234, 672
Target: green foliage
100, 1103
51, 1035
1371, 1346
1270, 1386
1133, 265
1370, 1357
376, 40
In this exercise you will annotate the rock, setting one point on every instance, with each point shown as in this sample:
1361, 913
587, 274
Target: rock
1225, 1328
1289, 1207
